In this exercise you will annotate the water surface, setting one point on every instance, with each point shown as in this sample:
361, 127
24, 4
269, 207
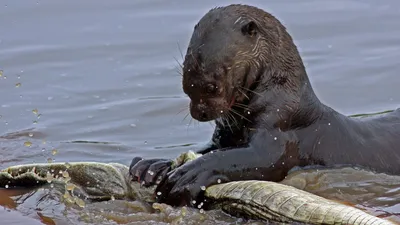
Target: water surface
98, 80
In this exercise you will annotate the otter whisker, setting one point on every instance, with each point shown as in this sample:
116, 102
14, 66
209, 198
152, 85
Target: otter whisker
243, 93
229, 125
244, 106
230, 116
238, 114
246, 89
233, 119
181, 110
191, 53
180, 50
180, 64
184, 118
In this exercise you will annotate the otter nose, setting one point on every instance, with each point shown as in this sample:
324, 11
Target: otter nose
202, 109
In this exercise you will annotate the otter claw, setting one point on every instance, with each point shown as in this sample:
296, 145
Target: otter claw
149, 172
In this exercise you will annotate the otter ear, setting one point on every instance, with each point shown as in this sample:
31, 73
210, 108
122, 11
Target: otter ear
250, 29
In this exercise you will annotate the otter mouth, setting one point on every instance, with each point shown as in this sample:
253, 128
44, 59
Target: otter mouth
211, 109
204, 112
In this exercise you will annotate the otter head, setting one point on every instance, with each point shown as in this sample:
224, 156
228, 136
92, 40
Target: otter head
232, 51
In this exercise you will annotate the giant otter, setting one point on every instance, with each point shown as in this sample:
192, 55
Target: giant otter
243, 70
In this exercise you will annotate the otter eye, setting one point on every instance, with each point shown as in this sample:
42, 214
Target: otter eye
210, 88
250, 29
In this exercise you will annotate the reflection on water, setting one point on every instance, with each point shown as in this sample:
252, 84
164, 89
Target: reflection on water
99, 82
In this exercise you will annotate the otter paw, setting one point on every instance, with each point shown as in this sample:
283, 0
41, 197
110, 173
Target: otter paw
149, 171
186, 185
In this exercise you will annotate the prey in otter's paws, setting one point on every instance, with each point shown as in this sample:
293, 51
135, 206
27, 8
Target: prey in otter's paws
243, 70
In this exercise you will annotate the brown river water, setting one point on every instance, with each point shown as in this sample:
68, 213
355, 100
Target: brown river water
98, 81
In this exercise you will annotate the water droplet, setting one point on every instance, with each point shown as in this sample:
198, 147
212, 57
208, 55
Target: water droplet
159, 193
145, 142
150, 172
222, 111
192, 85
88, 183
201, 210
4, 77
277, 110
219, 181
52, 185
194, 202
54, 151
203, 188
275, 138
30, 135
112, 198
6, 186
28, 143
49, 98
133, 125
329, 124
35, 111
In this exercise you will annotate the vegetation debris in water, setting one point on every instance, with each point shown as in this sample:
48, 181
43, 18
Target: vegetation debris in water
70, 187
18, 85
35, 111
54, 151
49, 177
79, 202
65, 174
28, 143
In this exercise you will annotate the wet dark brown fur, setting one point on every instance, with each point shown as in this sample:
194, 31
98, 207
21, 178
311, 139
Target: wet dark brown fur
243, 70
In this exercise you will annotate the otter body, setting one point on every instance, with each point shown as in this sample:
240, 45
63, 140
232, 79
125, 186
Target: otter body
243, 70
